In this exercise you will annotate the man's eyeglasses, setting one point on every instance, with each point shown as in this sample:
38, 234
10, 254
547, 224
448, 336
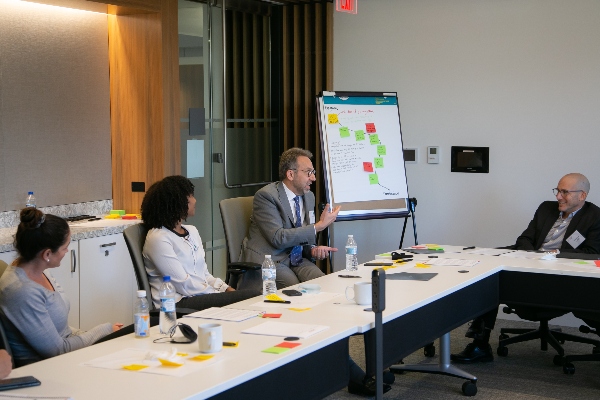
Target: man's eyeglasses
309, 172
564, 192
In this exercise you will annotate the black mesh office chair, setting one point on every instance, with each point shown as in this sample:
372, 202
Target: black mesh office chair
235, 214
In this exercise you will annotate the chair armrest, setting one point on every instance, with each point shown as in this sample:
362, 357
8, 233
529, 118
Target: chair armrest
243, 266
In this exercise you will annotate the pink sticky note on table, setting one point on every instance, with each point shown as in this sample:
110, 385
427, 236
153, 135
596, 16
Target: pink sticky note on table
368, 166
597, 262
271, 316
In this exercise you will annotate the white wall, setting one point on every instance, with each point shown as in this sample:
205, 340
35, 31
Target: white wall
519, 76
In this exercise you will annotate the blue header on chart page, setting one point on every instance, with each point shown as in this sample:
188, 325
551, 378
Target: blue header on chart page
392, 101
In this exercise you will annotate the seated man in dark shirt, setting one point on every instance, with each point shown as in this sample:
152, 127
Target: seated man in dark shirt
574, 229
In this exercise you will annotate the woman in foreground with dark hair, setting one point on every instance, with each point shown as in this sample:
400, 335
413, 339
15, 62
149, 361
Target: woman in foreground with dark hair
34, 306
175, 250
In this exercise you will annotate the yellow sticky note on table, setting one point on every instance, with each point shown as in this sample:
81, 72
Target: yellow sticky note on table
298, 309
134, 367
419, 265
182, 354
168, 363
201, 357
273, 297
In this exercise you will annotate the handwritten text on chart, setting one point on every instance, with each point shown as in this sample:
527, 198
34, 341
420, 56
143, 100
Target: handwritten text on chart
345, 156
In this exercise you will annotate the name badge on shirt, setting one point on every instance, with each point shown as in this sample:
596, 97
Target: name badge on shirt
311, 217
575, 239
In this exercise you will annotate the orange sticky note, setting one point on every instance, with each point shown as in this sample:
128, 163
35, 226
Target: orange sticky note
271, 315
597, 262
288, 345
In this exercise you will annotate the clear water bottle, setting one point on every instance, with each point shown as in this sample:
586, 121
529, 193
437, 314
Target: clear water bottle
269, 272
141, 315
167, 318
351, 254
30, 200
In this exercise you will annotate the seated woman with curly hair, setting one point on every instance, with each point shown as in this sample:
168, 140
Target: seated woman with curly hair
174, 249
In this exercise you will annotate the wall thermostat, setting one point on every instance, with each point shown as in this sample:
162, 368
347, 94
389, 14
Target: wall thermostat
433, 155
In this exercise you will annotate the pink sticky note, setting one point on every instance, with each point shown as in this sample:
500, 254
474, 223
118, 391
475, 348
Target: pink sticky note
370, 127
271, 316
597, 262
368, 166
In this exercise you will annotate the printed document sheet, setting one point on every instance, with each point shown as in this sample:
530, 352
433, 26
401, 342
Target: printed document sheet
285, 329
224, 314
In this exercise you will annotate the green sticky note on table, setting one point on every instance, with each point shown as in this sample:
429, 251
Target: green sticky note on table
374, 138
276, 350
381, 150
360, 135
581, 262
378, 162
344, 131
373, 179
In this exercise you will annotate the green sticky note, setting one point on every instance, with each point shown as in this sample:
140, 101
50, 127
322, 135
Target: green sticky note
360, 135
344, 132
378, 162
276, 350
381, 150
374, 138
581, 262
373, 179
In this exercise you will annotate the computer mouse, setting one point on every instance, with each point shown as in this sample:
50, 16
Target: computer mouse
189, 334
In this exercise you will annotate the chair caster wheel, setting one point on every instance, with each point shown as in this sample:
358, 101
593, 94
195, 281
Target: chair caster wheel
429, 350
469, 388
569, 368
503, 336
502, 351
558, 360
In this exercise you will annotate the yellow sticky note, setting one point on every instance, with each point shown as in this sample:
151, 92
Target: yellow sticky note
182, 354
273, 297
168, 363
299, 309
332, 118
135, 367
201, 357
419, 265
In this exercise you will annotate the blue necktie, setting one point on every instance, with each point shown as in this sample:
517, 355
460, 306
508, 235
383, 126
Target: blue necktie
296, 254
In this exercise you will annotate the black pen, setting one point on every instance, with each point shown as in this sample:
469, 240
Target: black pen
469, 248
278, 301
376, 264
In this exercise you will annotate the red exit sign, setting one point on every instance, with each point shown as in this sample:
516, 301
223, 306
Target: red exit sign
348, 6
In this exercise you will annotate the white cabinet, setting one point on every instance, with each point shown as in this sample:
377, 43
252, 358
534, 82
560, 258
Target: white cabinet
67, 276
107, 281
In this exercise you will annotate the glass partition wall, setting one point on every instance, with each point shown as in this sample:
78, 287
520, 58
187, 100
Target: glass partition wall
226, 123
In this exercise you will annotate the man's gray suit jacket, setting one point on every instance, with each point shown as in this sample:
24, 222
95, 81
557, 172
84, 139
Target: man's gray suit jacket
272, 229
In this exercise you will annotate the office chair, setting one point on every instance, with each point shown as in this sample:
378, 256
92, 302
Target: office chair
235, 214
3, 339
593, 321
135, 237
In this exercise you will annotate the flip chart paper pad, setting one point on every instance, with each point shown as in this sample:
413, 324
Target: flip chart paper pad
285, 329
411, 276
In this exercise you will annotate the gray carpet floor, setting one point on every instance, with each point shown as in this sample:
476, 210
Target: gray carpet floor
527, 373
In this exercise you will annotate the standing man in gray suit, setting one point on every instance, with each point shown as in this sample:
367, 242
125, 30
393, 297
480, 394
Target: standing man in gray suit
283, 224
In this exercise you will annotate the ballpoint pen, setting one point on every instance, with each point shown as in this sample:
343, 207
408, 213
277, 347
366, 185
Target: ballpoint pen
278, 301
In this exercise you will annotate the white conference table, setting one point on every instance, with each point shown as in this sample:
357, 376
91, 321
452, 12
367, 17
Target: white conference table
66, 376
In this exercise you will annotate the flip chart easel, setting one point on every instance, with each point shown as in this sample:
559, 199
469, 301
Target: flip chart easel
363, 160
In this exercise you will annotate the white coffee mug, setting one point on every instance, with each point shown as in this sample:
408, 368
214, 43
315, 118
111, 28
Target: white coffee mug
362, 293
210, 338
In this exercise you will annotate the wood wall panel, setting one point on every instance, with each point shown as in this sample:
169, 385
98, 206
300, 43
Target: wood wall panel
144, 76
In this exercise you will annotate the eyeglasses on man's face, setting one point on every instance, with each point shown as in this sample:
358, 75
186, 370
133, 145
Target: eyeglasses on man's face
564, 192
309, 172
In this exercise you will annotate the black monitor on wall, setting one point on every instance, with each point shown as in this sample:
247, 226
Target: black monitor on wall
470, 159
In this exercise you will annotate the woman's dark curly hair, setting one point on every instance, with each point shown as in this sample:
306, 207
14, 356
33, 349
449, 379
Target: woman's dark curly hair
166, 202
38, 231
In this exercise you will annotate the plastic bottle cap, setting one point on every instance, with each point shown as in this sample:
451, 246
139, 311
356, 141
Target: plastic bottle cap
141, 293
166, 278
267, 256
350, 235
30, 193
